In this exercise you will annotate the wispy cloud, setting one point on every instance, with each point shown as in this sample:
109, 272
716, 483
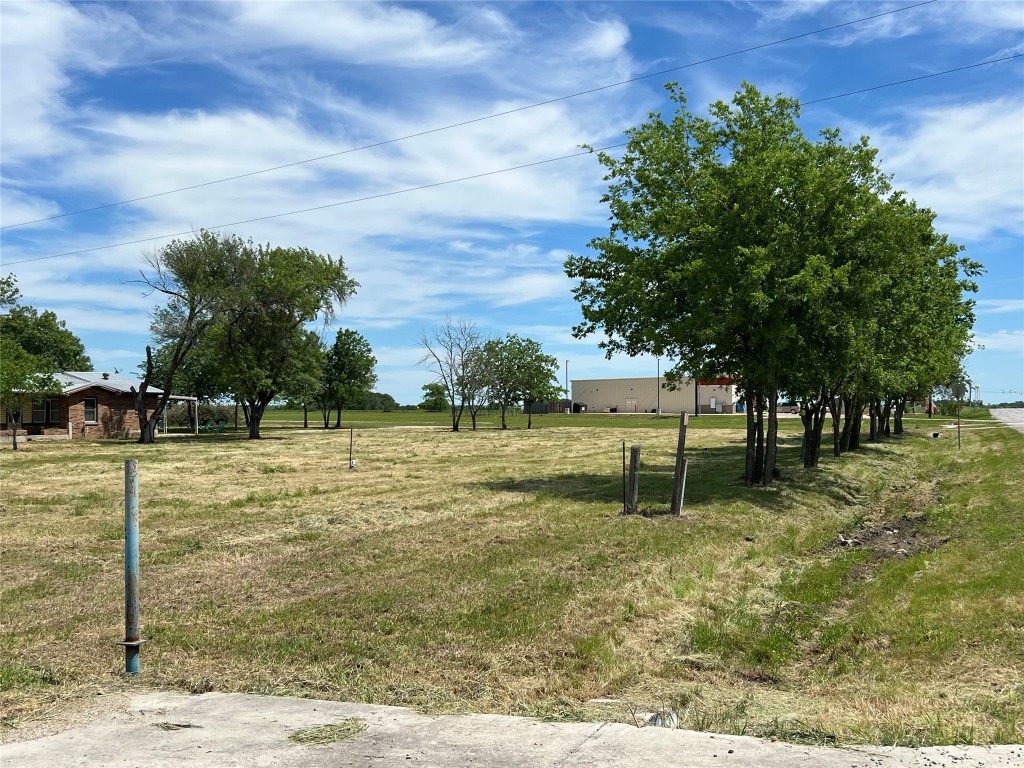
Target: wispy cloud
998, 306
965, 161
1002, 341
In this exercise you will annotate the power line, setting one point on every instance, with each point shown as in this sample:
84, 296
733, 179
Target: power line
911, 79
327, 205
476, 175
477, 119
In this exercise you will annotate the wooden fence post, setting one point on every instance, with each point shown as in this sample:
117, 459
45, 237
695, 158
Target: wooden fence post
679, 480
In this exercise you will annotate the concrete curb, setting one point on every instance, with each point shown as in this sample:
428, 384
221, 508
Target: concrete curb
225, 730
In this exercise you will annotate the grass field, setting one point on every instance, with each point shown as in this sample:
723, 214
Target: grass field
878, 599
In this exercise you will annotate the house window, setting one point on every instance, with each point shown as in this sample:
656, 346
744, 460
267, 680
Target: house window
90, 410
38, 411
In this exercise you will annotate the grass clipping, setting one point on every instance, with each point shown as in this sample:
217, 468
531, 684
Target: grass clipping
345, 730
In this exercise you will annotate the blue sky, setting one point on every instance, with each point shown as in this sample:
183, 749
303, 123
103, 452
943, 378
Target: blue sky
102, 102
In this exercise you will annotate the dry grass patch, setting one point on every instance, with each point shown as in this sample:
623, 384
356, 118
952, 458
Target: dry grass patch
492, 571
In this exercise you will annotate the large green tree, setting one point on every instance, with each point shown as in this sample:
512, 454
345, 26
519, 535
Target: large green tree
739, 246
261, 335
46, 337
518, 372
32, 348
22, 375
705, 234
434, 397
348, 376
199, 279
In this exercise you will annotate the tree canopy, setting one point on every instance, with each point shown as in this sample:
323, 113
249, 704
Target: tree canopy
246, 305
33, 347
518, 371
47, 338
348, 375
739, 246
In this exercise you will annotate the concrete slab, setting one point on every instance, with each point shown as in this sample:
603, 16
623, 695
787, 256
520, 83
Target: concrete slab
166, 730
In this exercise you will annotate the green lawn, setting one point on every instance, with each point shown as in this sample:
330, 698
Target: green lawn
877, 599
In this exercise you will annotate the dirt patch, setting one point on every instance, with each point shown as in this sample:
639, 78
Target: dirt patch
896, 539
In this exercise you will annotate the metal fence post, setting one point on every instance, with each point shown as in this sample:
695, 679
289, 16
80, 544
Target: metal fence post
131, 641
632, 502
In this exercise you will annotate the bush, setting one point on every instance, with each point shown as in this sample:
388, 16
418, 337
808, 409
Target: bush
176, 414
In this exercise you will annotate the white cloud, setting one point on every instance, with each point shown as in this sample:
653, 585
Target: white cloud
365, 33
995, 306
964, 161
603, 39
41, 43
94, 319
1001, 341
17, 207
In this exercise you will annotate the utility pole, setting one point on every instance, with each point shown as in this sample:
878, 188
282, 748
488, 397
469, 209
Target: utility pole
696, 396
568, 394
658, 385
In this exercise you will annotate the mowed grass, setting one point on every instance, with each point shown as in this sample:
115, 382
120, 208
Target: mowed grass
877, 599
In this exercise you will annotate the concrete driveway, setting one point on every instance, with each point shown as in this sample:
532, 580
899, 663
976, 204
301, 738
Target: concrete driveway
161, 730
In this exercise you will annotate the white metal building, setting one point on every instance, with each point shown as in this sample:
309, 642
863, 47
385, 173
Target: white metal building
646, 395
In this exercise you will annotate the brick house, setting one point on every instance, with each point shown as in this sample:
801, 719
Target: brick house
95, 405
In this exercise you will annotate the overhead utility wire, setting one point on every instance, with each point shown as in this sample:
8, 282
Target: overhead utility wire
329, 205
476, 175
475, 119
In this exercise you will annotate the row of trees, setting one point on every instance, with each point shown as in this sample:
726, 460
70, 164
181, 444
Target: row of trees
740, 246
33, 347
473, 372
235, 323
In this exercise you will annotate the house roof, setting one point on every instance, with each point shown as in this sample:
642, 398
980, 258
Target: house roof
73, 381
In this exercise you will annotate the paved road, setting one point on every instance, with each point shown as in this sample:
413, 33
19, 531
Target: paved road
166, 730
1012, 417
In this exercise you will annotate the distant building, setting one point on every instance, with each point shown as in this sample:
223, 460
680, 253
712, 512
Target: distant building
94, 405
641, 395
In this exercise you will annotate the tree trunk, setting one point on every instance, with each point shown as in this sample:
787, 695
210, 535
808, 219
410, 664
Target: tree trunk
857, 417
337, 424
503, 424
772, 448
807, 419
874, 409
835, 409
851, 410
759, 444
901, 407
456, 416
812, 414
749, 472
15, 418
886, 429
256, 409
529, 415
305, 416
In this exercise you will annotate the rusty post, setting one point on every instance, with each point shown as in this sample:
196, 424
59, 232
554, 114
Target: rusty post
131, 641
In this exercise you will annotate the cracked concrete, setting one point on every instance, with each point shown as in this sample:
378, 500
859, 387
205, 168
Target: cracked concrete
160, 730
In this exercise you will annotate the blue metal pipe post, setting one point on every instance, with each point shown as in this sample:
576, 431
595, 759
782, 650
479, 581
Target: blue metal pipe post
131, 640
